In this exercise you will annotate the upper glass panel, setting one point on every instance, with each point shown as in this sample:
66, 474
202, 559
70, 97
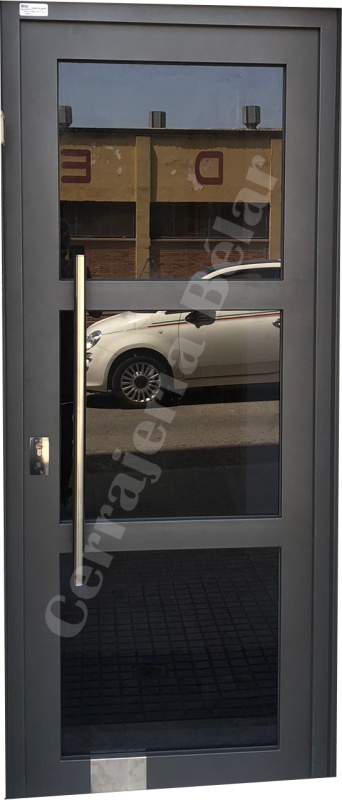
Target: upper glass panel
168, 170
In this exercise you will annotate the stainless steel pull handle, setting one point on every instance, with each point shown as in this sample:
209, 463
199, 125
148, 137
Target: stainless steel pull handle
79, 415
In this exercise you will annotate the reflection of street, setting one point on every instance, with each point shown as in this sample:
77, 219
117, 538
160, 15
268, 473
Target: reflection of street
220, 454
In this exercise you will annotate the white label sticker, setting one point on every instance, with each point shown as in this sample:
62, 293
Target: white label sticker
33, 9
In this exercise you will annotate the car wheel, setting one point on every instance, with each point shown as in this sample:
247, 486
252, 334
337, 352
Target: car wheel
138, 381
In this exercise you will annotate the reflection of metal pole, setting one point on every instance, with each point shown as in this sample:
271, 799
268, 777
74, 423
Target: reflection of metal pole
79, 416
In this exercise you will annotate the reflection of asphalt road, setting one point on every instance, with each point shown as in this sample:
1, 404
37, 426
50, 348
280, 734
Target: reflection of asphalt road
198, 424
216, 441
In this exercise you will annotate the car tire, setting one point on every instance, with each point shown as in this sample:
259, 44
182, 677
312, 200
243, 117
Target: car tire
137, 381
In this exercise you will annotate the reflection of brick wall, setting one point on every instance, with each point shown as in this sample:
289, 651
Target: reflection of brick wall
183, 259
113, 259
109, 259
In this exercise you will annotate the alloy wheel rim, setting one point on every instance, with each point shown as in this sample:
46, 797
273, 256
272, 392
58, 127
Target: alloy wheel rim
140, 382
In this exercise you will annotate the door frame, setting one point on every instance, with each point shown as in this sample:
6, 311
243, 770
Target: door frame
326, 26
45, 295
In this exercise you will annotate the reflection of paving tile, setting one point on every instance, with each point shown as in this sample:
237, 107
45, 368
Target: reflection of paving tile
184, 636
200, 491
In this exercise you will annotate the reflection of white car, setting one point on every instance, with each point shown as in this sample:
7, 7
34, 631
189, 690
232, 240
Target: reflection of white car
128, 353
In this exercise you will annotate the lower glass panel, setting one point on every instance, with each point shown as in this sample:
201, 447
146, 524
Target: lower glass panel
179, 650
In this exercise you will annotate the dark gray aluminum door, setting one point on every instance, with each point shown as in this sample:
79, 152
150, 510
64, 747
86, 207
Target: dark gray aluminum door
47, 45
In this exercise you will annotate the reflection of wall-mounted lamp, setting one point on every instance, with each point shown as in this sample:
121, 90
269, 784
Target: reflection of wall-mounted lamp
251, 116
157, 119
64, 116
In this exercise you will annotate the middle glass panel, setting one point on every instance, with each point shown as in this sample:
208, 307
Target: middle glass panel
182, 413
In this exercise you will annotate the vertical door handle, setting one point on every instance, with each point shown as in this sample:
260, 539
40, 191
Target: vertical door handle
79, 415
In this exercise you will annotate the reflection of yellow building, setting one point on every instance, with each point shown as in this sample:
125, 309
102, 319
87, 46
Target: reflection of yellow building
146, 203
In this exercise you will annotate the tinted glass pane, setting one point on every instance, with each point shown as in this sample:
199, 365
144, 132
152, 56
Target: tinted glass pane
179, 651
215, 452
162, 193
106, 220
226, 217
196, 220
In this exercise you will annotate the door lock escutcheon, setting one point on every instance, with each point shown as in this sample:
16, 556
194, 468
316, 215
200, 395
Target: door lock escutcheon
39, 455
2, 128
